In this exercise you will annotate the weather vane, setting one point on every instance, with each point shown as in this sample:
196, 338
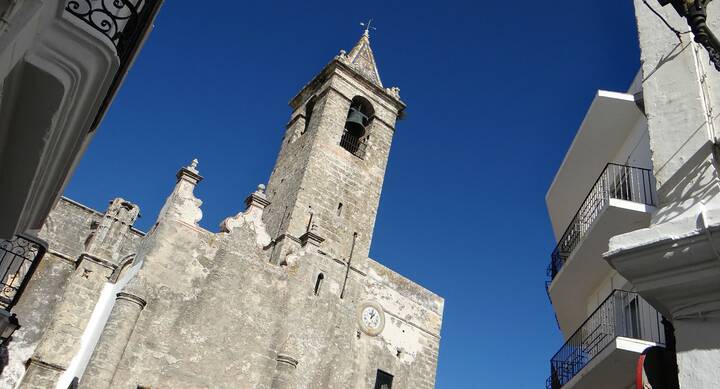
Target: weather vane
368, 26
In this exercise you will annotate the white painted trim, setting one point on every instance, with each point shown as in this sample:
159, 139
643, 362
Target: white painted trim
633, 345
622, 97
95, 327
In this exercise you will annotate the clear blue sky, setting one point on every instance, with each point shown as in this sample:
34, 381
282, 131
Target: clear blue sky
495, 92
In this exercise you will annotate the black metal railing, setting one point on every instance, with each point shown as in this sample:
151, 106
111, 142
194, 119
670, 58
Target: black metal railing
353, 143
124, 23
615, 182
116, 19
19, 257
622, 314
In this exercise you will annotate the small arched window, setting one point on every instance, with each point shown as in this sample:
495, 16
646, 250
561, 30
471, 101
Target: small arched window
318, 283
355, 134
309, 107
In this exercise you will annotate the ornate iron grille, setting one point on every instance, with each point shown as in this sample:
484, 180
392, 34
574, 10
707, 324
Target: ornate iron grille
353, 143
124, 22
119, 20
615, 182
19, 257
622, 314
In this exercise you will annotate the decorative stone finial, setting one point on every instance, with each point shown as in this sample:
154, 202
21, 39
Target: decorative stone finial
342, 56
190, 173
258, 198
193, 165
182, 205
252, 217
394, 91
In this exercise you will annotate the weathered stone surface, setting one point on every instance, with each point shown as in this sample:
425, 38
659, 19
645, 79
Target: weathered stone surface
69, 230
272, 300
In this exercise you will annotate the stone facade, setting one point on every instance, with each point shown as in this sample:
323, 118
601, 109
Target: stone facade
283, 296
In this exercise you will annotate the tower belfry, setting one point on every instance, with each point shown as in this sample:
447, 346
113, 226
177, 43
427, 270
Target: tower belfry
325, 187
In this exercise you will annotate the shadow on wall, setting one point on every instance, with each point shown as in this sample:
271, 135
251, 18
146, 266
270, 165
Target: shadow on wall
693, 183
674, 53
4, 357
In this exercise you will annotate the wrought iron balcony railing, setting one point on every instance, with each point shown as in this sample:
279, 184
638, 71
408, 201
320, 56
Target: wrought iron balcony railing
616, 182
19, 257
353, 143
124, 23
622, 314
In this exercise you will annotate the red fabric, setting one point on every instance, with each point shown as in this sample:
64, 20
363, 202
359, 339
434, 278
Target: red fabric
639, 372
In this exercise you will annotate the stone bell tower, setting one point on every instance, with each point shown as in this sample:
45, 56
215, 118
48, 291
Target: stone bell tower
325, 188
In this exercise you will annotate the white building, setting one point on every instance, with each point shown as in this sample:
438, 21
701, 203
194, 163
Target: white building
603, 188
636, 213
675, 263
61, 64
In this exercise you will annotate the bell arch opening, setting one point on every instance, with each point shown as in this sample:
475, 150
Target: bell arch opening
355, 134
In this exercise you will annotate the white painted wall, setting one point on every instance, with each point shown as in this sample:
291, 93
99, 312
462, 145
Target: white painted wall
95, 327
636, 149
612, 281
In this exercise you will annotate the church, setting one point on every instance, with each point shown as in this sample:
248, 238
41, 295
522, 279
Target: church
283, 296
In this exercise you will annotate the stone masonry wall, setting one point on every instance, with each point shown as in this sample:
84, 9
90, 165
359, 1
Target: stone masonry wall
325, 175
66, 231
219, 314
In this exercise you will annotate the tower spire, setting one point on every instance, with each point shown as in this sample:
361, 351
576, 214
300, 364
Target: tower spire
361, 58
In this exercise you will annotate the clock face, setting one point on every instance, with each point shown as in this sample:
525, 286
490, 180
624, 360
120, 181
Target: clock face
371, 318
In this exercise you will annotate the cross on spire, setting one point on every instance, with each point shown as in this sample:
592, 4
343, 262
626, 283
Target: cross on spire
368, 26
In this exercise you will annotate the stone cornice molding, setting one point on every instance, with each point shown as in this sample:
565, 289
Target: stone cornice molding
287, 360
337, 64
45, 365
188, 175
294, 119
311, 238
679, 276
97, 260
62, 256
257, 199
131, 298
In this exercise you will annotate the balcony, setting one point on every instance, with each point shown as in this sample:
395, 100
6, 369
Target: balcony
61, 63
19, 257
617, 182
603, 352
620, 200
124, 23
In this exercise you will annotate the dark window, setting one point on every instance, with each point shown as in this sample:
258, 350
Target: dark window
318, 283
383, 380
632, 319
309, 107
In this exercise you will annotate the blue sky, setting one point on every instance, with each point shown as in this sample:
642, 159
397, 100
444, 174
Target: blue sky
495, 92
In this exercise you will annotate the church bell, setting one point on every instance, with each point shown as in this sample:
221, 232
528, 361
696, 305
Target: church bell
356, 121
